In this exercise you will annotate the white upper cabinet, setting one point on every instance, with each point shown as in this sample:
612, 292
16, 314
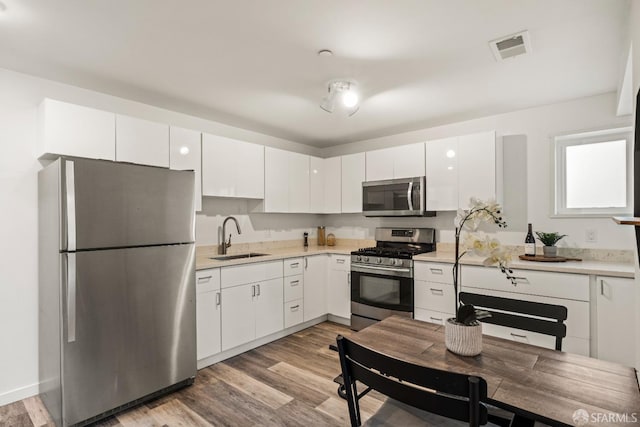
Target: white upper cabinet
442, 174
379, 164
408, 161
232, 168
353, 174
316, 184
142, 141
332, 185
286, 181
185, 154
74, 130
299, 182
459, 168
404, 161
476, 167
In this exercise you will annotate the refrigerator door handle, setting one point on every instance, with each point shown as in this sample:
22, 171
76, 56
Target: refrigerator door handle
71, 297
70, 186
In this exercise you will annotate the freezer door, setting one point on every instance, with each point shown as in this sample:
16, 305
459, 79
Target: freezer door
128, 326
107, 205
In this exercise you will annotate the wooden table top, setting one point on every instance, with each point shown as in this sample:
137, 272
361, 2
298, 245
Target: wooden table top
542, 384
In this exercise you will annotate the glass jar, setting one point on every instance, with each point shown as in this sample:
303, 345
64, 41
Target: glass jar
321, 237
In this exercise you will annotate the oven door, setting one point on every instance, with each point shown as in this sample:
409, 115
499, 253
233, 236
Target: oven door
382, 290
395, 197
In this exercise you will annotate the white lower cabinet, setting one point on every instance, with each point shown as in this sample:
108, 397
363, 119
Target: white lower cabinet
293, 312
434, 302
615, 324
339, 286
315, 286
252, 301
434, 299
251, 311
293, 291
208, 313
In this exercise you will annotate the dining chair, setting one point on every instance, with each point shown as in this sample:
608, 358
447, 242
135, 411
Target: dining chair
549, 318
417, 395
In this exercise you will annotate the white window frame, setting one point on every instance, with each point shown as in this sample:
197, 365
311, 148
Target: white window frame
564, 141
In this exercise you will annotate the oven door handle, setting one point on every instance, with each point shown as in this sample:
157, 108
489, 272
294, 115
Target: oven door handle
409, 196
402, 272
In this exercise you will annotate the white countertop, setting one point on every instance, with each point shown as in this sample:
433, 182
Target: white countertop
611, 269
600, 268
204, 255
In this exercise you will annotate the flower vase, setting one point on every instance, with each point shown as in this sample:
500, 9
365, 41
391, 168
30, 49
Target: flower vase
465, 340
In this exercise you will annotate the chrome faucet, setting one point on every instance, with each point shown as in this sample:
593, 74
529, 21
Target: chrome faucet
225, 245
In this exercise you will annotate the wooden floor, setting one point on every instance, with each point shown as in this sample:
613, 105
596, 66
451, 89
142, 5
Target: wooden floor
288, 382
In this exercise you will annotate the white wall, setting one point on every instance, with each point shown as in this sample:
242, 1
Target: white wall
539, 125
255, 227
20, 96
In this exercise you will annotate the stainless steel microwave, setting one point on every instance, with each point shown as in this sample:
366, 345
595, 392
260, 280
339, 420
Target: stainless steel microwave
395, 197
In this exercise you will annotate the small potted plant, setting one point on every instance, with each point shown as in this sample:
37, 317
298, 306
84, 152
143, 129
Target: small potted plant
463, 333
549, 241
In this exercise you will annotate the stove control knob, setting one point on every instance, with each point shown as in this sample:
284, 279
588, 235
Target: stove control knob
398, 262
365, 259
379, 260
358, 258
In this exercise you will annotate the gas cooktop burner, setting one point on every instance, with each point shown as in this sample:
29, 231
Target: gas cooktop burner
403, 253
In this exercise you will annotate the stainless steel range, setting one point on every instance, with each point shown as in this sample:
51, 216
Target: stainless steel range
382, 276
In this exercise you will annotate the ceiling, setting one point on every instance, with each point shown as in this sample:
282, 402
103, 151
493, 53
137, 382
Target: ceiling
254, 63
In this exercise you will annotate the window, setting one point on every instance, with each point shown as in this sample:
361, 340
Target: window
594, 173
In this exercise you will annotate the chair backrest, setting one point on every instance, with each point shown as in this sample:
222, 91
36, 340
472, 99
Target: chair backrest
450, 394
515, 313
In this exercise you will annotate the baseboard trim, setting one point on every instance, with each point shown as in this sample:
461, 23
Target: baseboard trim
339, 319
19, 394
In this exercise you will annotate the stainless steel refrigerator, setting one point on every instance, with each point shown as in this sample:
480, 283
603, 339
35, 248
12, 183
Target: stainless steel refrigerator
117, 286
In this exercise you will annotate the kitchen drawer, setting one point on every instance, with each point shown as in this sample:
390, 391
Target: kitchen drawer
293, 287
293, 313
518, 335
431, 316
557, 285
293, 266
577, 311
434, 296
433, 272
208, 280
250, 273
340, 262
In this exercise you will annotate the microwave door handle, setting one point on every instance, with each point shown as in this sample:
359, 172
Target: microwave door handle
409, 196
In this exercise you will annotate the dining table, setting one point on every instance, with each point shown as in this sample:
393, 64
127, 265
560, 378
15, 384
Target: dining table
534, 383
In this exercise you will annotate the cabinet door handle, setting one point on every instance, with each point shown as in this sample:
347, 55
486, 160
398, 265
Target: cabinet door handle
602, 287
295, 307
349, 278
253, 290
306, 263
218, 298
207, 278
436, 291
517, 280
436, 319
340, 260
436, 270
294, 264
518, 336
258, 286
295, 282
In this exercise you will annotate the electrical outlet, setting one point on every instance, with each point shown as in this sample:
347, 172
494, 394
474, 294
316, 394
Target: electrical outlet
591, 235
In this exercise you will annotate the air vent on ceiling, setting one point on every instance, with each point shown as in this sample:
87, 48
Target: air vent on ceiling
510, 46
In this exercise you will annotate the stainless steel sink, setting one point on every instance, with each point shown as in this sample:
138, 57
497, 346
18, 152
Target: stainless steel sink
239, 256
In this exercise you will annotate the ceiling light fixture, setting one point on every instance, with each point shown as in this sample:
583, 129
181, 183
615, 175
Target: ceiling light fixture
341, 95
